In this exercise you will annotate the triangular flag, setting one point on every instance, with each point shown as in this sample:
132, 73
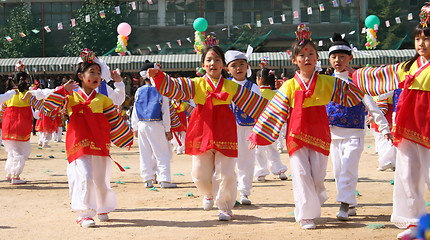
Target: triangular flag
398, 20
129, 53
363, 30
288, 52
179, 42
235, 27
22, 34
117, 10
150, 49
158, 47
87, 18
47, 29
352, 32
150, 1
387, 23
296, 14
169, 45
343, 35
283, 17
322, 7
73, 21
348, 1
60, 26
320, 43
102, 14
259, 23
224, 29
309, 10
410, 16
35, 31
249, 25
189, 39
375, 27
8, 38
270, 20
335, 4
133, 5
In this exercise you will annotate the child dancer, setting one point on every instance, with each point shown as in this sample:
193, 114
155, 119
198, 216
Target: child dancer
94, 123
411, 130
17, 126
183, 109
238, 67
266, 81
301, 101
347, 131
151, 121
46, 125
211, 135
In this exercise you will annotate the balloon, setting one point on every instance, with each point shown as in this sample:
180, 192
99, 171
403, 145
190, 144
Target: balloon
371, 20
124, 29
200, 24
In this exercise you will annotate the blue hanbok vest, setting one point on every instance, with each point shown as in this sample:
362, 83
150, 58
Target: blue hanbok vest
148, 104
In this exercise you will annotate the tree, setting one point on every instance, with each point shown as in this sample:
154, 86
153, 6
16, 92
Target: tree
99, 34
20, 21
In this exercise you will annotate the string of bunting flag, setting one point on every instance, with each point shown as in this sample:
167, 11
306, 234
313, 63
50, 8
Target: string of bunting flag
271, 20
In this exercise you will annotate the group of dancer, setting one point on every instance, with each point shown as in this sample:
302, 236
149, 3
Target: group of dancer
234, 123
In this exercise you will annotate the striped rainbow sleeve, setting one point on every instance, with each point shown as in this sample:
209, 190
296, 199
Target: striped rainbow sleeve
174, 88
346, 94
2, 109
382, 105
55, 100
249, 102
188, 109
376, 81
120, 133
36, 104
175, 123
268, 126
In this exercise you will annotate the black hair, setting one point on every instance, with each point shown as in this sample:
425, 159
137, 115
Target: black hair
298, 46
267, 76
18, 80
216, 49
81, 68
418, 31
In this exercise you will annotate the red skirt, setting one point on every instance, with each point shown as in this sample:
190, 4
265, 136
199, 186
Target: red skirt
46, 124
17, 124
222, 135
412, 118
80, 140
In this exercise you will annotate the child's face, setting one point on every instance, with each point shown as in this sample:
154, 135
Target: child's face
91, 78
306, 58
339, 61
422, 45
213, 64
238, 68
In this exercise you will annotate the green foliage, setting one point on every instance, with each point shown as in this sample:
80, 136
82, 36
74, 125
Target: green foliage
99, 34
248, 36
388, 10
20, 20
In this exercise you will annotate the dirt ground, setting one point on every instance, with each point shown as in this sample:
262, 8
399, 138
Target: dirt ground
40, 209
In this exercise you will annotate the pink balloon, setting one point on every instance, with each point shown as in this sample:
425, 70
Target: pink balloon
124, 29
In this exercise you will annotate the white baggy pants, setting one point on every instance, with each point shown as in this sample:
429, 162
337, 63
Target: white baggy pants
308, 170
412, 173
17, 153
153, 146
274, 158
214, 175
89, 186
386, 150
245, 161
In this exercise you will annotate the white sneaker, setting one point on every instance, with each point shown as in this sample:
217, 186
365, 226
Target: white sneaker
244, 200
46, 146
352, 211
282, 176
409, 233
307, 224
208, 203
225, 215
261, 178
168, 185
17, 181
280, 150
148, 184
103, 217
342, 216
385, 167
86, 222
179, 152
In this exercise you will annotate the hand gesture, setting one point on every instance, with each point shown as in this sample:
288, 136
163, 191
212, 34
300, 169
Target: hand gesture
152, 72
389, 137
68, 86
27, 95
169, 136
115, 75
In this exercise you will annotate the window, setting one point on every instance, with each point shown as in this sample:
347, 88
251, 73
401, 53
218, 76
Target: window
145, 14
251, 11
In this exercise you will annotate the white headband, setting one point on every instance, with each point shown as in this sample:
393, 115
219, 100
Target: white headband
232, 55
104, 68
339, 47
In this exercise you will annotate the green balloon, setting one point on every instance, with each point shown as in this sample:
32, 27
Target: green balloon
200, 24
371, 20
